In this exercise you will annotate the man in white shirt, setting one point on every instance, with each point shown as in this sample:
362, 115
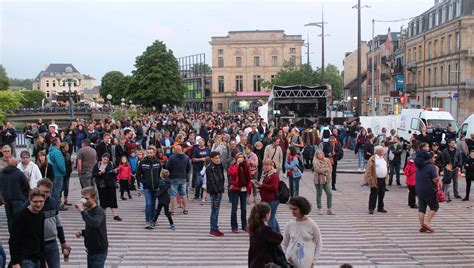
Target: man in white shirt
30, 169
376, 175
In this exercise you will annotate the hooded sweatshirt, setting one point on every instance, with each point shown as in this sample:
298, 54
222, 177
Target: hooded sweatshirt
13, 184
178, 166
425, 173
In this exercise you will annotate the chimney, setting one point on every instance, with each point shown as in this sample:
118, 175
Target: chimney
436, 2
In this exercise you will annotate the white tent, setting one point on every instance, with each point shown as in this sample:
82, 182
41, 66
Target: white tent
263, 112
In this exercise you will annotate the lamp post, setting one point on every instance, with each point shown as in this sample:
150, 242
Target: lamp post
109, 100
69, 78
359, 59
320, 25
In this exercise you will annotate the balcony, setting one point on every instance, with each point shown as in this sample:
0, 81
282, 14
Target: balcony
398, 69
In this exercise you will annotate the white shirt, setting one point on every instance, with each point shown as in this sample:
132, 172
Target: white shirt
380, 167
32, 173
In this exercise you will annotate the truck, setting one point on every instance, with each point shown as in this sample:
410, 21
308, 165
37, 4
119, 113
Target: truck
413, 120
466, 128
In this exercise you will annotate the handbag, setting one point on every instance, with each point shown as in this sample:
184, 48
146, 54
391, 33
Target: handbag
277, 254
440, 196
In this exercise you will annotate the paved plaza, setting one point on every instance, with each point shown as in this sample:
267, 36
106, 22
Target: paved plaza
351, 236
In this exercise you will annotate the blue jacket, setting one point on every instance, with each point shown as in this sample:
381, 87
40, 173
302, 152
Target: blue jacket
178, 166
133, 161
293, 165
56, 159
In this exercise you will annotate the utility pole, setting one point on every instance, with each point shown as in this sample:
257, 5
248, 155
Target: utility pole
307, 51
322, 45
359, 63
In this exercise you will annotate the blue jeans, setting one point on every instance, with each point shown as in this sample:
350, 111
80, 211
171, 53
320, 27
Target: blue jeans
51, 254
352, 142
57, 187
215, 206
394, 168
177, 186
362, 161
273, 221
3, 257
30, 264
344, 139
150, 204
96, 260
234, 198
294, 185
198, 185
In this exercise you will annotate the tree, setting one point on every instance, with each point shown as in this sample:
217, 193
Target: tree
9, 101
305, 75
114, 83
201, 68
156, 80
4, 82
23, 83
32, 98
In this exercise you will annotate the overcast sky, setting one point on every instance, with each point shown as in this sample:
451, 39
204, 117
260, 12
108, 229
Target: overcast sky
99, 36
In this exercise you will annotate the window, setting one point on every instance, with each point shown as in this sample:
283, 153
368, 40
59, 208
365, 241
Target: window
419, 53
238, 61
449, 42
436, 21
220, 51
220, 62
272, 78
47, 83
435, 72
429, 50
458, 73
220, 107
409, 56
441, 75
257, 83
274, 61
239, 83
54, 83
414, 54
429, 77
441, 50
451, 11
256, 61
430, 21
457, 4
443, 14
435, 48
440, 16
448, 75
293, 60
292, 50
458, 42
47, 94
220, 82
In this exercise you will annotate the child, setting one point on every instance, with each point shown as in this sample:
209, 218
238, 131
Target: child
204, 180
447, 179
164, 199
133, 161
469, 166
410, 173
124, 176
140, 155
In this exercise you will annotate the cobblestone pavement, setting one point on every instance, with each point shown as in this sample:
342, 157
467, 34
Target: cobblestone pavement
351, 236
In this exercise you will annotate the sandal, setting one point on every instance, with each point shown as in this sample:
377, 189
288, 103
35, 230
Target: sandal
185, 211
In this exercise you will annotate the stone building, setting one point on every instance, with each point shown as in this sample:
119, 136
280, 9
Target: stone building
242, 60
350, 79
440, 57
47, 82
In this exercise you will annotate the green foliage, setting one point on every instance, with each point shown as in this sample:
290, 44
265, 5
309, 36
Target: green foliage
156, 80
116, 84
305, 75
4, 82
22, 83
32, 98
9, 101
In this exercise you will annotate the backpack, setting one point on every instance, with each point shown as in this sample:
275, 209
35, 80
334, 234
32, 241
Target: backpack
366, 156
300, 165
283, 192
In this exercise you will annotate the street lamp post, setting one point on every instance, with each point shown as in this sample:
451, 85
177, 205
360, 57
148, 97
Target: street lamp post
69, 78
359, 59
109, 100
320, 25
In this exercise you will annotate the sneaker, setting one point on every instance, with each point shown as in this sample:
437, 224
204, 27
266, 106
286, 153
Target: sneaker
371, 211
147, 224
152, 225
415, 206
382, 211
465, 199
129, 196
220, 233
62, 208
117, 218
216, 233
457, 197
319, 211
123, 198
173, 227
330, 212
448, 201
235, 231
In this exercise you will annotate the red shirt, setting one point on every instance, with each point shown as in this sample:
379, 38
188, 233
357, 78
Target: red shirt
410, 173
269, 188
124, 172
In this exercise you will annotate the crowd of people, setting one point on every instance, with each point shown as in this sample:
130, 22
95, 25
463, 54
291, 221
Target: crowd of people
171, 157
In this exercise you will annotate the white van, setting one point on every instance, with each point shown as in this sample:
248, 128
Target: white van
412, 120
467, 127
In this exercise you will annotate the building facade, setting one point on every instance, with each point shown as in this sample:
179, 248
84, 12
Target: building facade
350, 78
197, 80
47, 82
439, 56
242, 60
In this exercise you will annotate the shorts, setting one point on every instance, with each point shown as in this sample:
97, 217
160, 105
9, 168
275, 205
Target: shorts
177, 186
423, 203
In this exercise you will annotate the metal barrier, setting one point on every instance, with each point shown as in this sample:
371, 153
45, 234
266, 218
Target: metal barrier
20, 141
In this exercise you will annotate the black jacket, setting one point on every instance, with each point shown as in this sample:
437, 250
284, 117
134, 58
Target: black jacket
327, 149
148, 173
397, 151
469, 166
178, 166
456, 161
215, 178
95, 233
50, 172
103, 148
13, 184
163, 196
107, 179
